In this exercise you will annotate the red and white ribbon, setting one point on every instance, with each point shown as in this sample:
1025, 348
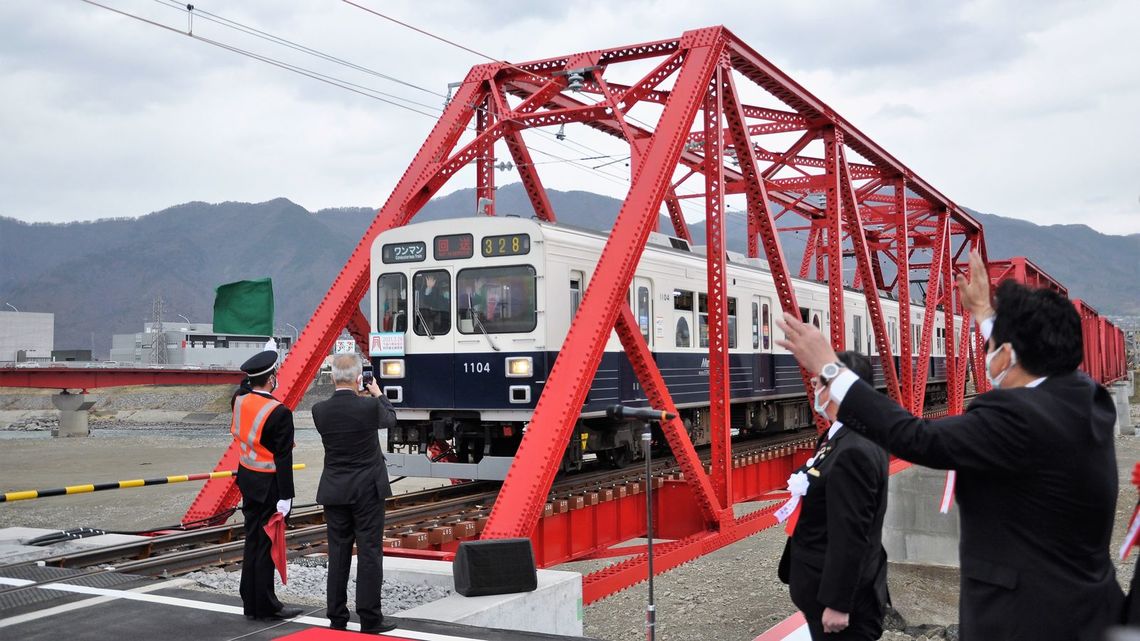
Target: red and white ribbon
948, 492
798, 487
1133, 534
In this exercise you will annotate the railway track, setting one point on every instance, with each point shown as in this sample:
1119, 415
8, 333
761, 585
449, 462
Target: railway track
417, 520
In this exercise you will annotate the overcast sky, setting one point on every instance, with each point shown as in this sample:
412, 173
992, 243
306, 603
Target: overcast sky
1023, 109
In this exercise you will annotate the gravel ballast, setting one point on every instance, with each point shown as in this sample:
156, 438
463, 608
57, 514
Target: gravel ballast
307, 581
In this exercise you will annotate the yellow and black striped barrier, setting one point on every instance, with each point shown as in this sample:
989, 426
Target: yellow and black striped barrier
26, 495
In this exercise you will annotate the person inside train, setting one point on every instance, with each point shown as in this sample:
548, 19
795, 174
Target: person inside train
834, 562
1035, 461
433, 304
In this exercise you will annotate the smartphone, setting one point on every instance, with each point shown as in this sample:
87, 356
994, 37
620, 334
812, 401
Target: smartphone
366, 377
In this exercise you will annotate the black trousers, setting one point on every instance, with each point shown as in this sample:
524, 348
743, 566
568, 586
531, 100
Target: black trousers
865, 621
362, 524
257, 596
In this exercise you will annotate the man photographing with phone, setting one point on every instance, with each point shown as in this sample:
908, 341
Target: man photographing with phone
353, 487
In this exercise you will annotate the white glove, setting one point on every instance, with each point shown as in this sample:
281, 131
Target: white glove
284, 505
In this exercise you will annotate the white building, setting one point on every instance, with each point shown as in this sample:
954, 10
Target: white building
32, 333
192, 344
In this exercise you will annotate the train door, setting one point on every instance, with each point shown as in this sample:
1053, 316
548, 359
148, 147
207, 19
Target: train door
431, 339
641, 304
762, 361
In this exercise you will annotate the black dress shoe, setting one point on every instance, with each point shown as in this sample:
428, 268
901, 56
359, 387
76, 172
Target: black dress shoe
387, 625
338, 626
280, 615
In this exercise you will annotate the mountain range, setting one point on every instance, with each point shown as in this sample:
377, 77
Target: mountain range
101, 277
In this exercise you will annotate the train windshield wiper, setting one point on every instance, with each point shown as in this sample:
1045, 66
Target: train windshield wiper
427, 329
479, 324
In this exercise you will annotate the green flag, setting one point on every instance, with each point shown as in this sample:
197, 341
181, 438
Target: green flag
244, 307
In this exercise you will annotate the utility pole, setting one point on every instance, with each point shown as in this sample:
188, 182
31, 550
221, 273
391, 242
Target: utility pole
158, 339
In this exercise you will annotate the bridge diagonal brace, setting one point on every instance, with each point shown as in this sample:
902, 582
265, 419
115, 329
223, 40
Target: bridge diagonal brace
941, 242
347, 290
539, 201
759, 211
517, 510
657, 393
858, 236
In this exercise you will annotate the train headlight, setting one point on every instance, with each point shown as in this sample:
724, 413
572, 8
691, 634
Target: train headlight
520, 366
392, 368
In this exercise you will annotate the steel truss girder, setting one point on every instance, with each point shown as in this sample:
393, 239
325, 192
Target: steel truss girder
701, 65
520, 501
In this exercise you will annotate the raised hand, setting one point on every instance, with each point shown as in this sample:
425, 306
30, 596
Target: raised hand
975, 292
806, 343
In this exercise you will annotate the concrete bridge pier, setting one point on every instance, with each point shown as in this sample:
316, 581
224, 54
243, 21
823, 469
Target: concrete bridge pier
72, 413
1121, 393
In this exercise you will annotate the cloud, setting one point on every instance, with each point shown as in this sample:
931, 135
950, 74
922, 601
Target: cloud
1021, 108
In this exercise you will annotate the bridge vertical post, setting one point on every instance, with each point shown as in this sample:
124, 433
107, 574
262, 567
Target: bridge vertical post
833, 225
717, 300
902, 281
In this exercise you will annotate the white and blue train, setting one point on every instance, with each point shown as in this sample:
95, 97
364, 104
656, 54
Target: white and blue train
468, 316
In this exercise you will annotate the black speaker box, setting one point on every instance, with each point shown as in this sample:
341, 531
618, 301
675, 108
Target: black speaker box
494, 566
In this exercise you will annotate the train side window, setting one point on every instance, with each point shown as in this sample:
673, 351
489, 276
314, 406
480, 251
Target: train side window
682, 300
731, 323
915, 337
755, 325
766, 324
392, 303
432, 302
577, 286
703, 320
683, 338
805, 314
815, 321
643, 311
683, 313
857, 333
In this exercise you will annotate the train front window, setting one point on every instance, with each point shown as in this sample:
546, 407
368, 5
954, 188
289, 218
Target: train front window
497, 300
392, 303
432, 304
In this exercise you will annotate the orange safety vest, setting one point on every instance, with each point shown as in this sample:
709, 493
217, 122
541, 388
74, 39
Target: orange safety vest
251, 411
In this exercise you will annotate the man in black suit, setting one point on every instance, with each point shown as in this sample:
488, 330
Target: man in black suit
835, 563
353, 487
1037, 478
263, 429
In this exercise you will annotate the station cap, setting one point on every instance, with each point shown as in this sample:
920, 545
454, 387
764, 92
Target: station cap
262, 362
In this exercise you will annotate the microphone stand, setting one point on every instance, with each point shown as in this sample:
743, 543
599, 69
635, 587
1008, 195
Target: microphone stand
651, 610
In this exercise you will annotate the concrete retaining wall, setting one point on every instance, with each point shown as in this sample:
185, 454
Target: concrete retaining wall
554, 608
914, 531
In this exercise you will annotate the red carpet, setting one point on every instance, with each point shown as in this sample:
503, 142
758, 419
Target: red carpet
325, 634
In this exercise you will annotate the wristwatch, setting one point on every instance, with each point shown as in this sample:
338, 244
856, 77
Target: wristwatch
830, 372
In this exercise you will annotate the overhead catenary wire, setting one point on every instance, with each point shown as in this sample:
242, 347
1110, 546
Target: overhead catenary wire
258, 33
355, 88
381, 96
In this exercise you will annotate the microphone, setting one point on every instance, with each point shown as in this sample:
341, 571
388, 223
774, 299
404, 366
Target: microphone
623, 413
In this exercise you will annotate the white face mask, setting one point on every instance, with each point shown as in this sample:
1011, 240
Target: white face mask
995, 381
821, 408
